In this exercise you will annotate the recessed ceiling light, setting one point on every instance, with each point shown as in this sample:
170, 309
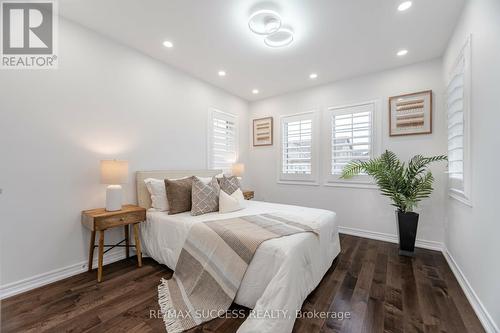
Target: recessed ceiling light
402, 53
255, 91
281, 38
404, 6
168, 44
313, 76
222, 73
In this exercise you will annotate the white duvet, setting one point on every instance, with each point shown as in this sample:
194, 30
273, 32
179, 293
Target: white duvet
283, 271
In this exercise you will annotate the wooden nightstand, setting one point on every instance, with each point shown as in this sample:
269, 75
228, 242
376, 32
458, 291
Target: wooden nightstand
100, 220
248, 195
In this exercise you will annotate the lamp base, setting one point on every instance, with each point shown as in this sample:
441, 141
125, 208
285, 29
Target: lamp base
113, 198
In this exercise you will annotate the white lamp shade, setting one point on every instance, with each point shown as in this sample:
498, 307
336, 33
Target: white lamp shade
114, 172
238, 169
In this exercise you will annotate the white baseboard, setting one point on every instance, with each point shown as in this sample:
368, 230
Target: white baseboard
481, 312
425, 244
39, 280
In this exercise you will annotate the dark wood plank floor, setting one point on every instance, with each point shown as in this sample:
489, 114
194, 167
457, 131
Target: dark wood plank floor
381, 291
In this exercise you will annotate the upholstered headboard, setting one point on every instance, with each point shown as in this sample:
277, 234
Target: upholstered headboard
143, 197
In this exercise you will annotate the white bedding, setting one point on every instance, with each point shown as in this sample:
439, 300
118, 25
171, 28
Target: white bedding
283, 271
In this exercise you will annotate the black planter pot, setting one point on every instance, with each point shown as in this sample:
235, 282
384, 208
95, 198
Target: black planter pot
407, 223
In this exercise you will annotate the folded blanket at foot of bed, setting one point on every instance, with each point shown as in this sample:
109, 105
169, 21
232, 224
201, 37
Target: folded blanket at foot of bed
211, 266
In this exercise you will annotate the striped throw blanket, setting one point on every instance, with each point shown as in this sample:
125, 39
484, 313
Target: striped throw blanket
211, 266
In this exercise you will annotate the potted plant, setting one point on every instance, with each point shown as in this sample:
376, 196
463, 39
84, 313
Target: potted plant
405, 184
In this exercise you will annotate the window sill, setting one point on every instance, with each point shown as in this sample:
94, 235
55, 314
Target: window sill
362, 185
459, 196
298, 182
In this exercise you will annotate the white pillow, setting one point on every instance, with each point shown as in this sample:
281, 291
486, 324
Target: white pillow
156, 188
231, 203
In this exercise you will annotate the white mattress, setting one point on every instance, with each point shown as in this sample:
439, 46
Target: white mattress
283, 271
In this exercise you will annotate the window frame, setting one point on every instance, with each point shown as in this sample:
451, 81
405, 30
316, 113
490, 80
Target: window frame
299, 179
211, 115
463, 194
361, 181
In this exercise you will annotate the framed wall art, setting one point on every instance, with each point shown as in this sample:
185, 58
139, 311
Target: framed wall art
263, 132
410, 114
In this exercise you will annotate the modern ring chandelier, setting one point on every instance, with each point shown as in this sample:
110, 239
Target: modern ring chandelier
268, 23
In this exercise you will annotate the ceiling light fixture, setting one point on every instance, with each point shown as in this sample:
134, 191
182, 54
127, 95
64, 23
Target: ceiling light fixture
313, 76
168, 44
281, 38
268, 23
402, 53
255, 91
272, 26
222, 73
404, 6
264, 22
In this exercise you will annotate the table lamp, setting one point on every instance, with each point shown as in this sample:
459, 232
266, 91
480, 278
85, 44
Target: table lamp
238, 169
114, 173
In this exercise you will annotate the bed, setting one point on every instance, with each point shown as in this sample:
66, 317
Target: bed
283, 271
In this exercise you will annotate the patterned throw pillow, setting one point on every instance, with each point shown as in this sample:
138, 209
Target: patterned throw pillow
229, 184
205, 197
179, 194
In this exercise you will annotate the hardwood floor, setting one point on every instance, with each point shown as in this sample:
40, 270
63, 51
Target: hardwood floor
381, 291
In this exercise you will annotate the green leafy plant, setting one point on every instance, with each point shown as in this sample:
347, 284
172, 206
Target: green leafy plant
405, 184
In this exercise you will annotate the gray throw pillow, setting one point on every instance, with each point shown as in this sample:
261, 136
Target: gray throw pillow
229, 184
205, 197
179, 195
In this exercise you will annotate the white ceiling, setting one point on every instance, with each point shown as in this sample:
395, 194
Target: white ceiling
335, 38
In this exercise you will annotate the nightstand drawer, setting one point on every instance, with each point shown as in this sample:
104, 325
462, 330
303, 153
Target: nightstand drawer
117, 220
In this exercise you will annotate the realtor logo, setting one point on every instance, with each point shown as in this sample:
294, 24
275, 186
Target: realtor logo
28, 34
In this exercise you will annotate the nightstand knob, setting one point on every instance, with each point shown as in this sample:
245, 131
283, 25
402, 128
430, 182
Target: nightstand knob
122, 219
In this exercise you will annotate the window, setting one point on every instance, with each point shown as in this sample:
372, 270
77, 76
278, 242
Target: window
298, 152
351, 138
223, 140
457, 99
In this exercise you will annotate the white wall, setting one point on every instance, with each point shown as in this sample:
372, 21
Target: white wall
104, 101
373, 211
108, 101
472, 233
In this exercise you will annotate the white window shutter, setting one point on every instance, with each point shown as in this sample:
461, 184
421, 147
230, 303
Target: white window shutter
297, 147
458, 92
298, 156
223, 140
351, 135
455, 106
